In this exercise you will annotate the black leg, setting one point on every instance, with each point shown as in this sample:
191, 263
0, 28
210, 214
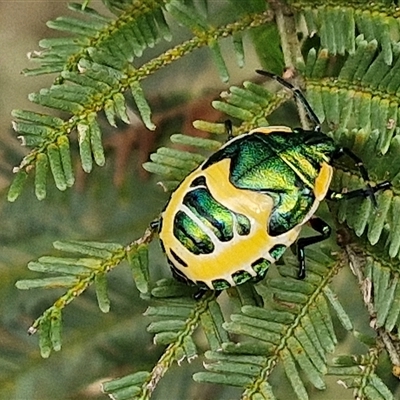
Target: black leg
365, 192
357, 161
155, 225
369, 191
228, 129
201, 292
325, 231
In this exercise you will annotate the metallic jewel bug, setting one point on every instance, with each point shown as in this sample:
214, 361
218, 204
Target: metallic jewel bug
237, 213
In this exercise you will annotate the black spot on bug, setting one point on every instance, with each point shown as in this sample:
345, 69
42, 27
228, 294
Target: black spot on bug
202, 285
178, 259
199, 181
178, 275
162, 245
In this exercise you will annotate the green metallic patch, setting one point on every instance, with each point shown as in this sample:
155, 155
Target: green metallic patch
290, 209
241, 277
260, 267
243, 224
279, 165
191, 235
211, 213
220, 284
277, 251
216, 217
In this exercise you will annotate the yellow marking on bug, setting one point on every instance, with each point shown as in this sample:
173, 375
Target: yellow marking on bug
323, 181
266, 130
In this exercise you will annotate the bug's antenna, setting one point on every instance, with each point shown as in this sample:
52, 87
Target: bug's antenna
298, 94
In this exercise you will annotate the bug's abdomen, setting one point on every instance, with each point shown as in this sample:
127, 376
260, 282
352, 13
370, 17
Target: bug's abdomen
216, 234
